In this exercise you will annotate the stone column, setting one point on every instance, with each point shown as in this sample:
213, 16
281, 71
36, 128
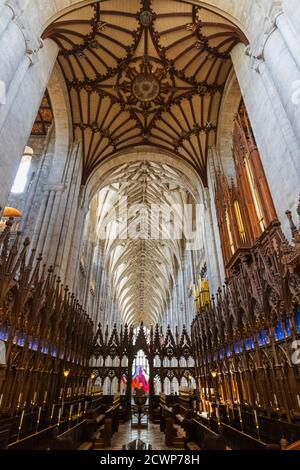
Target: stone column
98, 278
50, 244
291, 38
13, 46
6, 15
24, 99
14, 86
72, 268
211, 254
65, 223
285, 74
42, 157
46, 219
292, 11
186, 312
211, 183
89, 274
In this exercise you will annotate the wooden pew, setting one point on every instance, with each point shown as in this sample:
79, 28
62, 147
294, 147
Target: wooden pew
4, 437
168, 427
294, 446
71, 438
86, 446
192, 446
110, 426
38, 441
79, 436
233, 438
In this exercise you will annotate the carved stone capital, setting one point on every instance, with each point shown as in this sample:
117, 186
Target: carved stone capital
59, 187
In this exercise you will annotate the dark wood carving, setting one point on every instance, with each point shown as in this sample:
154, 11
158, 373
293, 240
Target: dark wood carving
125, 344
243, 341
44, 117
43, 328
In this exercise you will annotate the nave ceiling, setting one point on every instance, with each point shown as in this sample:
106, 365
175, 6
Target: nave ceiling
148, 72
142, 260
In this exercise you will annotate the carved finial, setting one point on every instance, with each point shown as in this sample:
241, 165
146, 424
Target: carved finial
292, 225
9, 222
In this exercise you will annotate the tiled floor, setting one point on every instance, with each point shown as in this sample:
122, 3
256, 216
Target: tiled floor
152, 435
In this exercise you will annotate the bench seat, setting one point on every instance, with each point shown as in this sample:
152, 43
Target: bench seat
192, 446
180, 418
86, 446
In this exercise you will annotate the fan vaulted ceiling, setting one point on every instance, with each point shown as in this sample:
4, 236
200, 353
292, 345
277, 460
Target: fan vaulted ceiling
144, 73
143, 260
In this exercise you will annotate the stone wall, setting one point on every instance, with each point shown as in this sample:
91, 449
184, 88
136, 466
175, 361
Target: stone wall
28, 201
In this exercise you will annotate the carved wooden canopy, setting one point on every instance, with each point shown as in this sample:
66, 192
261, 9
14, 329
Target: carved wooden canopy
44, 117
148, 72
128, 341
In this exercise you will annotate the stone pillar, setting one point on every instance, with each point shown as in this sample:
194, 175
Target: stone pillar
211, 183
14, 86
24, 71
13, 46
90, 260
56, 220
6, 15
186, 312
292, 11
65, 221
275, 137
72, 268
210, 246
24, 97
285, 74
98, 280
291, 38
46, 219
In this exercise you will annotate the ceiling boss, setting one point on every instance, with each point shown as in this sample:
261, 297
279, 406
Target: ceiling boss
146, 85
145, 75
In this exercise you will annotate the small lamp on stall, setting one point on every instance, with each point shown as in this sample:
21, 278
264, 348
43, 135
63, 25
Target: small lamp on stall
66, 373
214, 374
92, 376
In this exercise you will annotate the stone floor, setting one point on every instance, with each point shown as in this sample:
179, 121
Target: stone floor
152, 435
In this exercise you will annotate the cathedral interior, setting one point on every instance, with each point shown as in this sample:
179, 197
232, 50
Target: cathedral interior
150, 225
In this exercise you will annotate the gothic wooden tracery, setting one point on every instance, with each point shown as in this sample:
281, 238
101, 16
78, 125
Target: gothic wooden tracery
43, 329
161, 351
244, 337
44, 117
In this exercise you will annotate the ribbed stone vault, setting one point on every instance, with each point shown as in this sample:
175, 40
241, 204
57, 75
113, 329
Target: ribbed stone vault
142, 261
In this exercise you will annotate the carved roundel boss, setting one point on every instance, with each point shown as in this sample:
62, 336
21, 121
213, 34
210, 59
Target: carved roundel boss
145, 87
